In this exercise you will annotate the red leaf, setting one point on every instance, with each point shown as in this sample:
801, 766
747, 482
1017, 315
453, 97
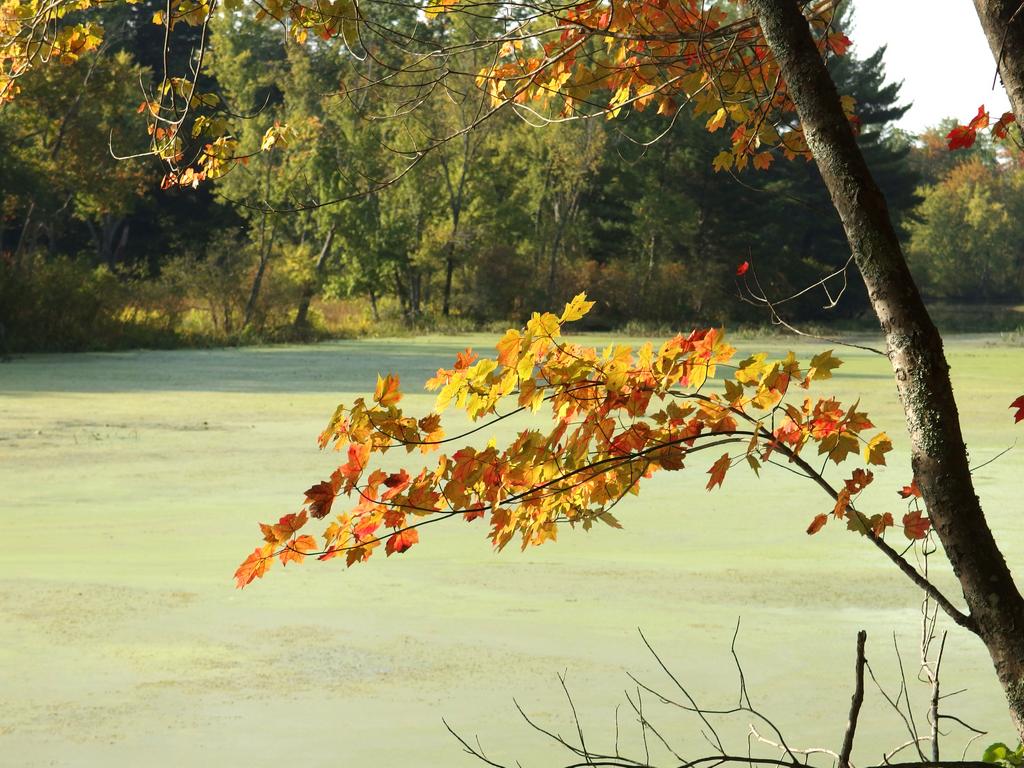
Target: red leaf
741, 270
964, 136
1019, 405
980, 120
961, 137
911, 490
1000, 128
401, 541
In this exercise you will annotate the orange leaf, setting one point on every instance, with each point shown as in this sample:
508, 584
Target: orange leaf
718, 470
254, 566
401, 541
296, 549
285, 527
465, 359
839, 42
842, 502
763, 160
915, 525
860, 480
387, 393
980, 120
817, 524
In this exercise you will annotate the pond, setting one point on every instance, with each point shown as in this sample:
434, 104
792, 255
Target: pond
131, 485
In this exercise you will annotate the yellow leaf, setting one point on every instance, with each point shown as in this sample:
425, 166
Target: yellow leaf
576, 308
717, 120
822, 366
875, 451
723, 161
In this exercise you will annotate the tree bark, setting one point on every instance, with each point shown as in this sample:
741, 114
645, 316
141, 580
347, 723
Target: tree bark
1003, 22
938, 454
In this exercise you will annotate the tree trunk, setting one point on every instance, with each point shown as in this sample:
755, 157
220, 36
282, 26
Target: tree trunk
266, 244
449, 268
261, 268
938, 453
310, 289
24, 232
373, 304
1003, 22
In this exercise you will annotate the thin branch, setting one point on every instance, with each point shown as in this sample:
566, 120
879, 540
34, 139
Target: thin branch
855, 704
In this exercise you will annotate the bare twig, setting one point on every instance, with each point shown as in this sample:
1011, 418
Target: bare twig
855, 704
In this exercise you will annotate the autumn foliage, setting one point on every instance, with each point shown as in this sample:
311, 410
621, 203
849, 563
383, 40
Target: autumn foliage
560, 60
964, 136
614, 417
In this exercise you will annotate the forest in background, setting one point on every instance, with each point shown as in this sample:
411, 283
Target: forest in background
491, 225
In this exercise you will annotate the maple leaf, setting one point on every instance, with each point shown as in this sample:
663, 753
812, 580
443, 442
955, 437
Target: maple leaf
763, 160
839, 43
842, 502
296, 549
915, 525
859, 480
718, 470
1001, 126
964, 136
822, 366
908, 491
1019, 405
577, 308
359, 554
717, 120
876, 449
862, 524
401, 541
838, 446
742, 269
285, 527
723, 161
320, 498
465, 359
254, 566
961, 137
880, 522
387, 393
817, 524
980, 120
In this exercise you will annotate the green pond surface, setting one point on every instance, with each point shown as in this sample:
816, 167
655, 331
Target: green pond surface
131, 485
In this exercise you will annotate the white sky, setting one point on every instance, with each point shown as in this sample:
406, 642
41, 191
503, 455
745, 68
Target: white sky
937, 48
